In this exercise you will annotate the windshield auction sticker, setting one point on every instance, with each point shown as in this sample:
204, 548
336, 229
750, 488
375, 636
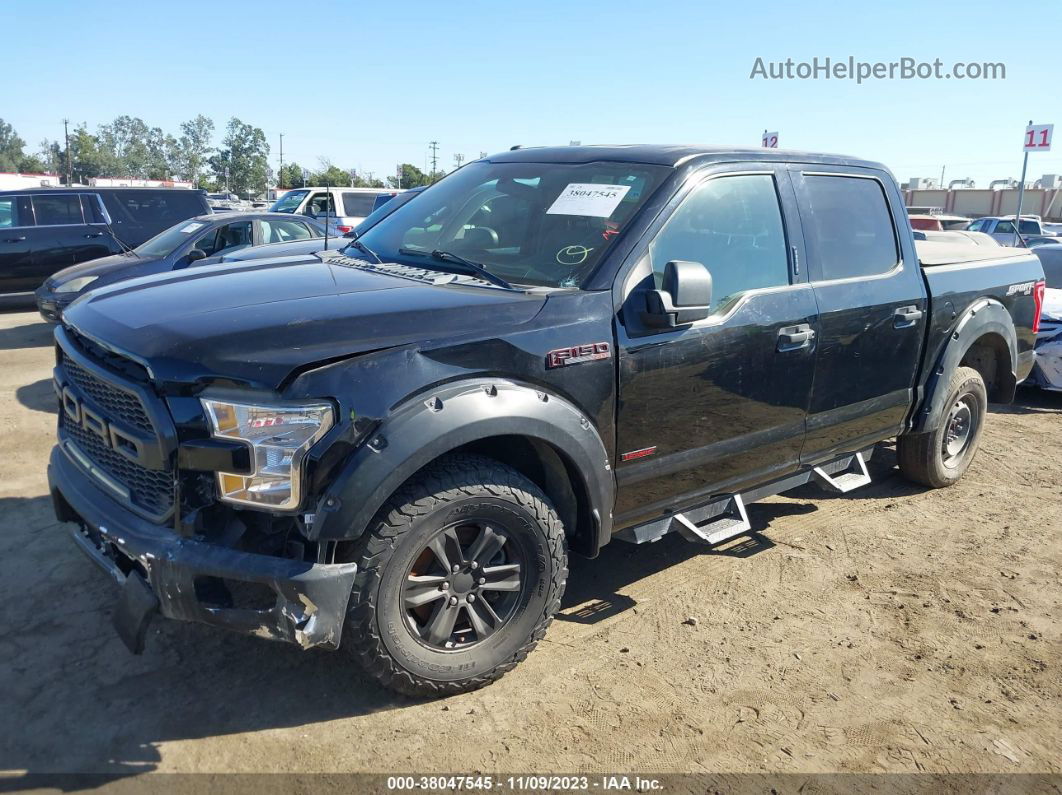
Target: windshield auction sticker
588, 199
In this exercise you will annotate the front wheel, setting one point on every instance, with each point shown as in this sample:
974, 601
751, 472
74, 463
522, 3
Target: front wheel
458, 578
940, 457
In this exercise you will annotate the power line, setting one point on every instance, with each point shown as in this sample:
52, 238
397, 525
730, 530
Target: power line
280, 174
434, 145
459, 159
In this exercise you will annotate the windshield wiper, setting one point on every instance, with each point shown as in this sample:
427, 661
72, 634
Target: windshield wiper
362, 247
465, 265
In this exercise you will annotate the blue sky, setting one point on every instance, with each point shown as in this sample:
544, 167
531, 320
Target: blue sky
368, 85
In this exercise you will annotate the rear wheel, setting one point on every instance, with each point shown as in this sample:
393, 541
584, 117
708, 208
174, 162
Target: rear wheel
940, 457
457, 580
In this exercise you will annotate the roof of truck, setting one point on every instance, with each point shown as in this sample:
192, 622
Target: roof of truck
669, 155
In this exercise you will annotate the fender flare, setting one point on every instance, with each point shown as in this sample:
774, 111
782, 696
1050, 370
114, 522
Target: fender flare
986, 316
437, 421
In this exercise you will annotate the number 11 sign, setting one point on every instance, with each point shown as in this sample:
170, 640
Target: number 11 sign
1038, 137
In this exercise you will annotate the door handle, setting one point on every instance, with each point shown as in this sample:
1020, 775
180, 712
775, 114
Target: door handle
14, 239
906, 316
791, 338
94, 234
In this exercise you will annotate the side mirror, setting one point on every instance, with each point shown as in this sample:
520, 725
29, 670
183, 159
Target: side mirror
195, 255
686, 297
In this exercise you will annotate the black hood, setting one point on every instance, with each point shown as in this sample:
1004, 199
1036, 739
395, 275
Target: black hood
102, 266
256, 322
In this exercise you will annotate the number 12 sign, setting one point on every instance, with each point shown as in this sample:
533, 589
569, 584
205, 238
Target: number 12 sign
1038, 137
770, 140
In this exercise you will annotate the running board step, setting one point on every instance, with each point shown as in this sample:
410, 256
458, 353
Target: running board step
733, 521
847, 478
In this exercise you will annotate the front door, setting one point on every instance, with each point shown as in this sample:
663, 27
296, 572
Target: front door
720, 404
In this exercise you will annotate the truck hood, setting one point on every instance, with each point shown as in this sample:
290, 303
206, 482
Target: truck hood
255, 322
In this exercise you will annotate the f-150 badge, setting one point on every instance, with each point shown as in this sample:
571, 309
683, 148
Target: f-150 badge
577, 354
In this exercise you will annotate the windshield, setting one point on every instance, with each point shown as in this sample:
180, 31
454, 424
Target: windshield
289, 202
529, 223
165, 243
1029, 227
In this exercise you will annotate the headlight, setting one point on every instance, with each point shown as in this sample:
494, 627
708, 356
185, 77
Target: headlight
279, 437
74, 285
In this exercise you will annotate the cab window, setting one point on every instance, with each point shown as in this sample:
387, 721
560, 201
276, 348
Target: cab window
848, 227
732, 226
58, 210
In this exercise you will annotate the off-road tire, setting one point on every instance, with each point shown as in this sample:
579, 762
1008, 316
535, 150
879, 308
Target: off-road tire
375, 633
921, 456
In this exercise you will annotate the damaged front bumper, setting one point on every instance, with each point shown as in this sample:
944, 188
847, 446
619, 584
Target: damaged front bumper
190, 580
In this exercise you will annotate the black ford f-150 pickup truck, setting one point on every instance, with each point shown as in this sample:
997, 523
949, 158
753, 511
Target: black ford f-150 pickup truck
548, 349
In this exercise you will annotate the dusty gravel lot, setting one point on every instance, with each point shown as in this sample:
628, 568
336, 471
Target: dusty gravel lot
892, 629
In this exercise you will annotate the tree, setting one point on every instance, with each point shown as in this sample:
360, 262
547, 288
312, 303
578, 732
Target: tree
244, 156
12, 152
195, 148
412, 177
11, 146
126, 140
163, 155
290, 176
330, 175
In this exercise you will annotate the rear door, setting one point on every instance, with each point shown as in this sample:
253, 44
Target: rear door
872, 307
16, 254
710, 407
61, 236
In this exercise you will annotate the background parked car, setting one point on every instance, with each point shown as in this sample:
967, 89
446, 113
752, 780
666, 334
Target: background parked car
47, 229
202, 240
956, 236
1002, 228
1047, 370
346, 206
938, 223
305, 247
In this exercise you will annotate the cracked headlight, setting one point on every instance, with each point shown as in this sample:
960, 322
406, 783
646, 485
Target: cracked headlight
279, 436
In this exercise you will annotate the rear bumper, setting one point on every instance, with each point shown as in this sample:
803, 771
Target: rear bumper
293, 601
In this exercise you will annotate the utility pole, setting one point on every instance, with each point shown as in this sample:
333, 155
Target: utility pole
66, 135
280, 174
458, 160
1021, 192
434, 146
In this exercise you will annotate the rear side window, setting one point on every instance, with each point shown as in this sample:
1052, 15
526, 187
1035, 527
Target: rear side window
90, 206
381, 200
274, 231
359, 204
849, 227
59, 209
155, 208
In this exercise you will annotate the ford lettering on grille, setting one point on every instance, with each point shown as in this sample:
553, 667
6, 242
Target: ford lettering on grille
113, 438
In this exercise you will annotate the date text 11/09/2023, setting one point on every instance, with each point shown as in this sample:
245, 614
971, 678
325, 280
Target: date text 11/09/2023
524, 783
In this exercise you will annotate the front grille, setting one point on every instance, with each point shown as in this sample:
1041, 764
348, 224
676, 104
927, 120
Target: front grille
149, 479
150, 489
117, 403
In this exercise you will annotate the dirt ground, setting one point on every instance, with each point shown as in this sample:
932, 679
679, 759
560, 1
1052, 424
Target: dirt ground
891, 629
